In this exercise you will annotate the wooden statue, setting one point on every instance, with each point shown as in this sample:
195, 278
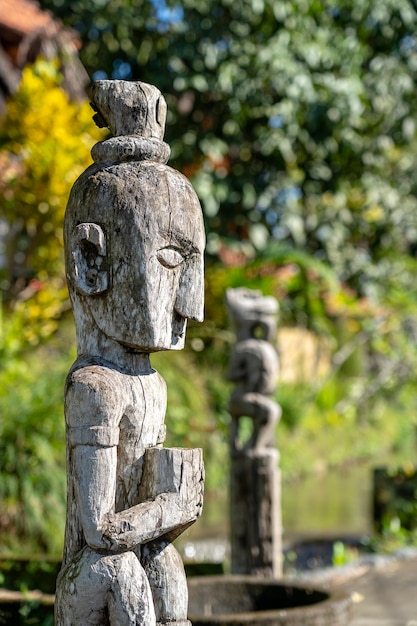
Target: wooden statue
255, 478
134, 242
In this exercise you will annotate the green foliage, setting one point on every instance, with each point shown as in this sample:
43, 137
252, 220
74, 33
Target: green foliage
343, 554
45, 143
326, 434
395, 503
295, 120
392, 538
191, 417
32, 451
371, 343
20, 574
296, 124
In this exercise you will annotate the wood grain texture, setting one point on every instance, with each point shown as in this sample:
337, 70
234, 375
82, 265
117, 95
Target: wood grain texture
255, 480
134, 244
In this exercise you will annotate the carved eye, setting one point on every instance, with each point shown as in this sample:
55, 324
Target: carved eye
170, 257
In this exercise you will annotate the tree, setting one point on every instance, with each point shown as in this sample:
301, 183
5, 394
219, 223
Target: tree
296, 120
296, 123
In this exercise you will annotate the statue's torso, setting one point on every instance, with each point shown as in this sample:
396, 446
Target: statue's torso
108, 407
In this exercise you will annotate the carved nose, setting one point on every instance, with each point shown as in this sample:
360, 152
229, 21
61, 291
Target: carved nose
190, 298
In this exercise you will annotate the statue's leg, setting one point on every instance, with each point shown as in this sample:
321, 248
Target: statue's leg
97, 590
165, 570
130, 600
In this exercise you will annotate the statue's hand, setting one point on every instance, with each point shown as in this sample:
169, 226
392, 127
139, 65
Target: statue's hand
191, 492
171, 499
182, 498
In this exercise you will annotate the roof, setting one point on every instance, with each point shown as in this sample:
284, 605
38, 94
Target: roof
21, 17
26, 32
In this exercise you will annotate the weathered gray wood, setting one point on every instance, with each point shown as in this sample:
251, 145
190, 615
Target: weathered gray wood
255, 497
134, 242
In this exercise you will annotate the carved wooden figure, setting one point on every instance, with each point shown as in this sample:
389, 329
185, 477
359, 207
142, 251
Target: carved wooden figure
134, 241
255, 478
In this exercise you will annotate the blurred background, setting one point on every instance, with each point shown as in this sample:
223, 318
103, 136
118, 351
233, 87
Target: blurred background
296, 123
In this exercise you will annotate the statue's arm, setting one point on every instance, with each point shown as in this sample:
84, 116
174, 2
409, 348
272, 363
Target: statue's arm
167, 514
94, 469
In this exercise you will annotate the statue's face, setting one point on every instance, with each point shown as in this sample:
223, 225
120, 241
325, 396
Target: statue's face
153, 262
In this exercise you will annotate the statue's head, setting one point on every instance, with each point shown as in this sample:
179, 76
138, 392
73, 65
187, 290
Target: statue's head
135, 255
134, 238
253, 314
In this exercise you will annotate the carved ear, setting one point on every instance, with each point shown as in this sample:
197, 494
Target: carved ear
88, 248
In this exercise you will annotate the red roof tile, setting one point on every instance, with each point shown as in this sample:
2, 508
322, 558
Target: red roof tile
21, 17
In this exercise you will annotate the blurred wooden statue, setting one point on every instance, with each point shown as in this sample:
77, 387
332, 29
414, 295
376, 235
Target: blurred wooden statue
255, 480
134, 242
